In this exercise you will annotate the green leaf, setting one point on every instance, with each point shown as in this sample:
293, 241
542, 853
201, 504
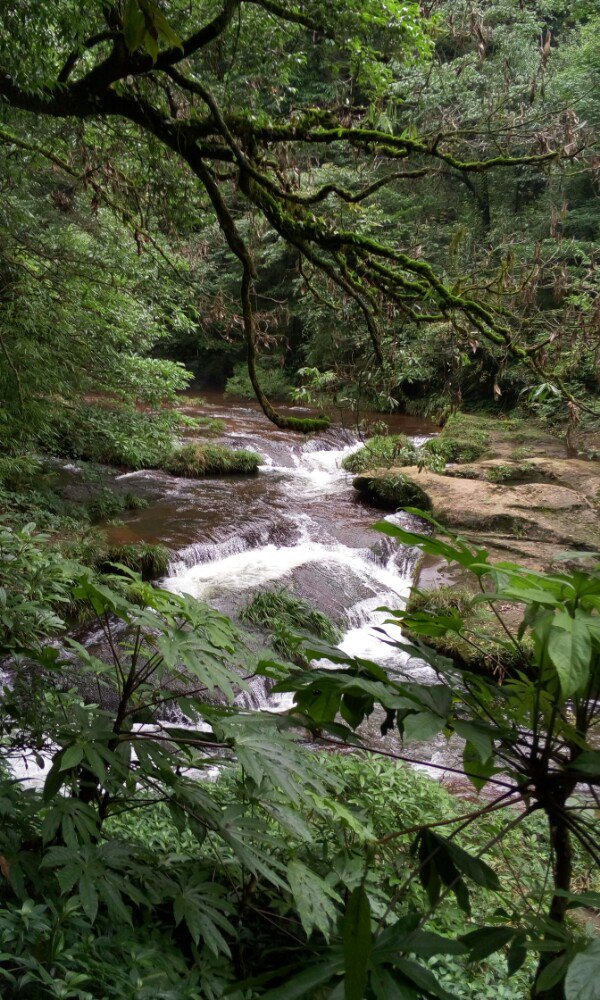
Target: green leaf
570, 649
583, 975
314, 899
477, 771
357, 944
473, 868
71, 757
486, 941
421, 726
478, 734
304, 983
587, 763
552, 974
517, 953
422, 978
89, 897
134, 25
164, 28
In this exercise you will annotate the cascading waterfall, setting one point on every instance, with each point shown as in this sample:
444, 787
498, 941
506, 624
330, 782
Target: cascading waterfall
298, 525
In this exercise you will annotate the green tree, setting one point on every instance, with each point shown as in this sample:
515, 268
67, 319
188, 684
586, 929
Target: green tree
175, 79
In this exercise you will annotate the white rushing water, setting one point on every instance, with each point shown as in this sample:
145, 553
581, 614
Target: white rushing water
347, 566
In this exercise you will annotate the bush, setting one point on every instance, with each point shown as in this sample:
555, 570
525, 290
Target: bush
122, 437
35, 587
194, 460
274, 382
382, 452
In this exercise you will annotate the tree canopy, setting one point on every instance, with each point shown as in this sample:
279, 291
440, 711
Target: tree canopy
309, 123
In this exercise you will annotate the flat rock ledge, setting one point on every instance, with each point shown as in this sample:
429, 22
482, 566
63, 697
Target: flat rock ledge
557, 508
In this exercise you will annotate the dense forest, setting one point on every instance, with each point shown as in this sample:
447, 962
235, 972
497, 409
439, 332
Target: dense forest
299, 499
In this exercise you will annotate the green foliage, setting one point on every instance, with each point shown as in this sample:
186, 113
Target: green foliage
382, 452
274, 381
147, 559
392, 491
194, 460
288, 619
112, 436
35, 587
532, 737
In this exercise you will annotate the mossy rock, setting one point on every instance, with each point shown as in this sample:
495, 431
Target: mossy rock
196, 460
391, 492
464, 438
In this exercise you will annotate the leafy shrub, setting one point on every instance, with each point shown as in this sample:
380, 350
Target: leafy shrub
382, 452
193, 460
122, 436
274, 382
35, 587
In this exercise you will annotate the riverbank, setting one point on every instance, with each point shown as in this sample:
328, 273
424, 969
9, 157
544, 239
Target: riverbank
522, 496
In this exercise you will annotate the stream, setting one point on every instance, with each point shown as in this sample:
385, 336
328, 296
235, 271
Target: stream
298, 525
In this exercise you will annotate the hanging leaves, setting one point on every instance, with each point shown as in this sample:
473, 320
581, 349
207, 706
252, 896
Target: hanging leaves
144, 26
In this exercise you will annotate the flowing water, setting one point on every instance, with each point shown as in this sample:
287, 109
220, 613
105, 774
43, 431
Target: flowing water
298, 524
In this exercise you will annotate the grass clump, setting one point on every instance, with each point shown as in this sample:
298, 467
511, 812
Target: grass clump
463, 438
195, 460
382, 451
393, 491
150, 561
284, 615
108, 504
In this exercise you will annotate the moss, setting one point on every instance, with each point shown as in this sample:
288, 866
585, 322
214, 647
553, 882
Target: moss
464, 438
393, 491
284, 615
195, 460
150, 561
382, 451
307, 425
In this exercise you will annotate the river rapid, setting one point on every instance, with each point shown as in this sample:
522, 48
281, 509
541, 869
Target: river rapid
298, 524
